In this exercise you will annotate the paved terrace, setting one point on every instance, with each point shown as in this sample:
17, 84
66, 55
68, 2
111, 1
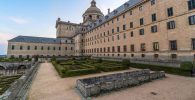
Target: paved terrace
49, 86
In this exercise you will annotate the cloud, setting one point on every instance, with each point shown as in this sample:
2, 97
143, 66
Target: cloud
18, 20
4, 41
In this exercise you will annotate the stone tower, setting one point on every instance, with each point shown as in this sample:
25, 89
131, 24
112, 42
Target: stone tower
92, 13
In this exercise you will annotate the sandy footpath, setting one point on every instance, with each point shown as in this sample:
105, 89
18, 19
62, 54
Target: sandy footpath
49, 86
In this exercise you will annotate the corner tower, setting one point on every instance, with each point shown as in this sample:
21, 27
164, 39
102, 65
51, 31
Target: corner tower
92, 13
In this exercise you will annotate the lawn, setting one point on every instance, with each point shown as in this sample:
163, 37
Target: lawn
86, 66
6, 81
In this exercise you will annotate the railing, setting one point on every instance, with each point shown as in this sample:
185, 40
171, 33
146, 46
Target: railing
18, 90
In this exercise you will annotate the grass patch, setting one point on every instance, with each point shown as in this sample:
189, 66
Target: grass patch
6, 81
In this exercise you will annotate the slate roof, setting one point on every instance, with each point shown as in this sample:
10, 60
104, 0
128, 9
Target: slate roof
30, 39
128, 5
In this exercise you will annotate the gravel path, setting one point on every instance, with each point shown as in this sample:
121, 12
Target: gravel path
49, 86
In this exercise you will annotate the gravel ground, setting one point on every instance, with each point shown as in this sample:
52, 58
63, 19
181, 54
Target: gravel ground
49, 86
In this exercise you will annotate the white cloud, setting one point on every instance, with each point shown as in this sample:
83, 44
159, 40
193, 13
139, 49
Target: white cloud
4, 41
18, 20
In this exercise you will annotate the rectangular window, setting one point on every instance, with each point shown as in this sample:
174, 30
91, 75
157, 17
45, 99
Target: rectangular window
125, 48
142, 21
156, 46
118, 37
154, 29
118, 29
42, 48
118, 49
113, 49
21, 47
59, 48
132, 48
143, 47
124, 16
131, 24
171, 25
112, 38
191, 4
192, 20
132, 34
153, 17
124, 36
54, 48
113, 31
141, 31
170, 11
124, 27
153, 2
35, 47
13, 47
28, 47
108, 49
193, 44
173, 45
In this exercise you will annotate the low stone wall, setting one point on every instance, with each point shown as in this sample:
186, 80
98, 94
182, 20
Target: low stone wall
97, 85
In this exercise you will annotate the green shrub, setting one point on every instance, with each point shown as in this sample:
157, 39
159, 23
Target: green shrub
81, 72
170, 70
126, 63
187, 65
99, 60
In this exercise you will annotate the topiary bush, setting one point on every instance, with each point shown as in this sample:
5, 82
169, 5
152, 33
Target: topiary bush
99, 60
186, 65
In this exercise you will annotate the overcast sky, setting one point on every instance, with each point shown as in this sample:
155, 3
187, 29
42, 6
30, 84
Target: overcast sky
38, 17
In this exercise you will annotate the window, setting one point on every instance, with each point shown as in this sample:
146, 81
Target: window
48, 48
112, 30
118, 49
173, 45
54, 48
131, 24
28, 47
193, 44
140, 8
153, 2
124, 36
42, 48
171, 25
156, 46
113, 49
174, 56
130, 12
143, 55
132, 55
192, 20
153, 17
118, 37
132, 48
125, 48
170, 12
118, 29
13, 47
191, 4
142, 47
141, 31
108, 49
117, 18
124, 16
154, 29
35, 47
112, 38
59, 48
21, 47
124, 27
141, 21
132, 34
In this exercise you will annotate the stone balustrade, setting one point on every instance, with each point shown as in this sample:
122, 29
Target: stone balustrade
97, 85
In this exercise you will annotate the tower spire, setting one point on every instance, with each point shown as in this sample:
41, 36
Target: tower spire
93, 3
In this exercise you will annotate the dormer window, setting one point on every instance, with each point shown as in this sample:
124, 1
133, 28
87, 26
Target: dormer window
126, 5
115, 11
106, 17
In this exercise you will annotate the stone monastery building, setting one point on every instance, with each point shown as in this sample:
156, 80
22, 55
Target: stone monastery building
138, 29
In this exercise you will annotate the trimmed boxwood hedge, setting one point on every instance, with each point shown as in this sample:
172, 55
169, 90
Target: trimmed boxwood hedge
71, 73
170, 70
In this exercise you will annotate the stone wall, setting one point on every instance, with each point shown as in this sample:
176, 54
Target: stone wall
97, 85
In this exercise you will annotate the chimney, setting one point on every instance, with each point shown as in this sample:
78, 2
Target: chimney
108, 10
58, 19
